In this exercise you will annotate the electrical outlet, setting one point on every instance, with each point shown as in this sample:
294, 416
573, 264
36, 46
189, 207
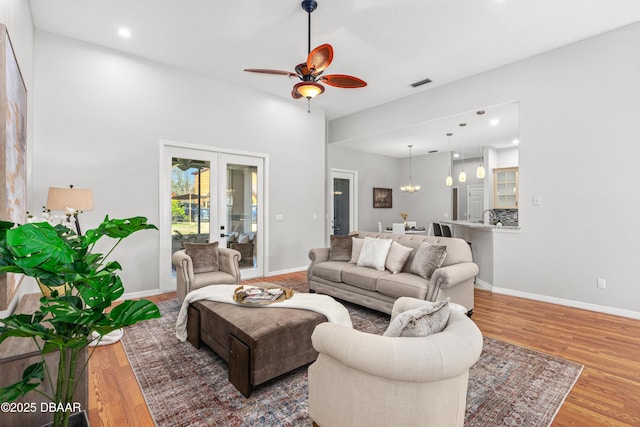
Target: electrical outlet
602, 283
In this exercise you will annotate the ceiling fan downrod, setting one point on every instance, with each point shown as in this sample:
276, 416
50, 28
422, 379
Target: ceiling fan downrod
309, 6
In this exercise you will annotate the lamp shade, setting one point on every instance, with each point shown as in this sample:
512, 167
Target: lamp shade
80, 199
462, 177
480, 172
308, 89
449, 181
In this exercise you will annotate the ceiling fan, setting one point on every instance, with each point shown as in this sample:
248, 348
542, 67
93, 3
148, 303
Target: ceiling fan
310, 72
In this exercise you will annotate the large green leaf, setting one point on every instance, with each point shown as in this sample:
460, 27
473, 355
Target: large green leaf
38, 245
32, 377
130, 312
118, 228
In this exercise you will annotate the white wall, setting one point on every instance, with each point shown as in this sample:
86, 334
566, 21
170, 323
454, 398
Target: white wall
375, 170
578, 148
100, 116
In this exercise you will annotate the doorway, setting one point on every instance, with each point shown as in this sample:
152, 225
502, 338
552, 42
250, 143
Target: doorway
208, 195
342, 201
475, 202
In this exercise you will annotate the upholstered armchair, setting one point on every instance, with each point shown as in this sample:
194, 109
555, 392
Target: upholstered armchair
361, 379
225, 271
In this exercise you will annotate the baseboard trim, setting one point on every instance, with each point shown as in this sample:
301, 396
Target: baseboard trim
569, 303
286, 271
481, 284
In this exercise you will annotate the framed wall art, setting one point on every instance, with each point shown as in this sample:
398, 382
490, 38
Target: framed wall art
382, 197
13, 151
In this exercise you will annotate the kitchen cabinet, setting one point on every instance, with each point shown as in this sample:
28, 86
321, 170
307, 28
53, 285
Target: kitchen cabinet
505, 188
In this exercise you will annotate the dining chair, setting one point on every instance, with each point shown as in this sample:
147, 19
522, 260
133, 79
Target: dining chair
398, 228
437, 230
446, 231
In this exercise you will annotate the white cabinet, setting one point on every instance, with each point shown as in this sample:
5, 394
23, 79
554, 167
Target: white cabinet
505, 188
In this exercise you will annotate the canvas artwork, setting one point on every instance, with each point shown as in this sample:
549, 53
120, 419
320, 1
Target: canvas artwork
382, 198
13, 151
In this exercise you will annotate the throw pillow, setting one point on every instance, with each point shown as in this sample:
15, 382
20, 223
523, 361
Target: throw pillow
340, 248
427, 259
356, 248
374, 253
423, 321
243, 238
203, 255
398, 255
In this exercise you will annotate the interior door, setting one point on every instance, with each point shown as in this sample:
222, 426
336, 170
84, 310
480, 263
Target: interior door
475, 202
342, 201
241, 208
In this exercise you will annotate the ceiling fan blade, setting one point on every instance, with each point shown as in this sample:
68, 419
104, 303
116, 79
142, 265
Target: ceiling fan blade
343, 81
265, 71
319, 59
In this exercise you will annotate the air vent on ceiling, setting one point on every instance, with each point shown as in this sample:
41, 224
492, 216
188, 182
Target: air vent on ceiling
432, 151
421, 82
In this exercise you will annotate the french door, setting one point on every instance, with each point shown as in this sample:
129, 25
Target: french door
208, 195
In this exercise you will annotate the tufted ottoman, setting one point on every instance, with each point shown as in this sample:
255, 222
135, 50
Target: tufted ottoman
258, 343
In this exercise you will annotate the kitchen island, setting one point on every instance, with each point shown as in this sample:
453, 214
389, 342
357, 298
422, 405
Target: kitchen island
483, 238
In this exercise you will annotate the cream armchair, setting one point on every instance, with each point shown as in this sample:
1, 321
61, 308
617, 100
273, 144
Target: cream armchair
187, 280
361, 379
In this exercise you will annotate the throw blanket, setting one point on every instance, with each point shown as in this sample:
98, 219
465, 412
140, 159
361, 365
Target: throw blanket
323, 304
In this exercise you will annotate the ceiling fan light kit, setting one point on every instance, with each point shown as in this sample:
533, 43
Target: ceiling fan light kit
310, 72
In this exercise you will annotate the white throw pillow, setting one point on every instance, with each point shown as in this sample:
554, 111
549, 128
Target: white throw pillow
398, 255
356, 247
374, 253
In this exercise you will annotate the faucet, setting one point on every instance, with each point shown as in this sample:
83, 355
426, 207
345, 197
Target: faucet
492, 216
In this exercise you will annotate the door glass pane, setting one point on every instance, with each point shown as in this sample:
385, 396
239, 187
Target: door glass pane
242, 212
341, 213
190, 201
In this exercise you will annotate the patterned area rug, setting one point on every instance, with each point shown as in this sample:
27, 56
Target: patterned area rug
183, 386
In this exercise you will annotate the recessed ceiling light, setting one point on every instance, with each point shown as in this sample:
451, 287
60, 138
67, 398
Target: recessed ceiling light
516, 141
456, 155
494, 122
124, 33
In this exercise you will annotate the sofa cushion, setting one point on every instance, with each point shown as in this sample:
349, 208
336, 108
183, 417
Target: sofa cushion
427, 259
398, 255
340, 248
330, 270
420, 322
356, 248
374, 253
403, 285
363, 277
203, 255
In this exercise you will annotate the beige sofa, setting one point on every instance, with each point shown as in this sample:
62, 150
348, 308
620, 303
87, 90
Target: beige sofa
379, 289
362, 379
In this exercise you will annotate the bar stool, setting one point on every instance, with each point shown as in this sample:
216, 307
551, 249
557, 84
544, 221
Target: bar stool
437, 230
446, 231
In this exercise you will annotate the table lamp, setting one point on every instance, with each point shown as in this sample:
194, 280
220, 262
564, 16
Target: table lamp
71, 200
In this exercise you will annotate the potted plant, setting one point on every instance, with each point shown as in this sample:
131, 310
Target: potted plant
69, 316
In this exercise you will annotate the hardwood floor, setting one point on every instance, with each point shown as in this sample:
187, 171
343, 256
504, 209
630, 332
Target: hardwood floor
606, 394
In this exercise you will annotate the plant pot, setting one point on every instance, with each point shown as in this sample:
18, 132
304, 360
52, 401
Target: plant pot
78, 419
47, 290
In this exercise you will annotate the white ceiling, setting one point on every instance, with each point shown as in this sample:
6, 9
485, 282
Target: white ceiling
389, 44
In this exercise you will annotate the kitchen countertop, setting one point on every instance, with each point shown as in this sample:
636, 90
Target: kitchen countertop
484, 227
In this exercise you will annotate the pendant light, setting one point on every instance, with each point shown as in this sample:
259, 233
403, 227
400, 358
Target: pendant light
410, 188
463, 176
449, 180
480, 172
